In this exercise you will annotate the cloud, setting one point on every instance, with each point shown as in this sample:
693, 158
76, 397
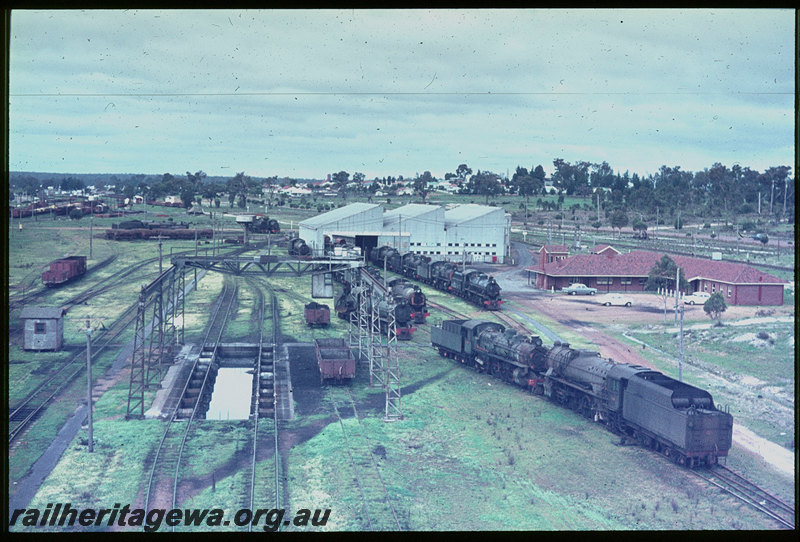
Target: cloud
308, 92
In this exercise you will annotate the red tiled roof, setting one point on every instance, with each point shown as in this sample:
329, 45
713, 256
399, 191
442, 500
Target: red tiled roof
601, 247
639, 262
554, 248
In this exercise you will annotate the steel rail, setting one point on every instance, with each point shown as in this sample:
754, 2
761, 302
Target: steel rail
172, 415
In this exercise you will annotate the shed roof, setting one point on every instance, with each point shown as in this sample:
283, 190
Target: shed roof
465, 213
338, 214
42, 313
412, 210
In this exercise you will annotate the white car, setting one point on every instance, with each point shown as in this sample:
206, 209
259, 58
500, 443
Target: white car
615, 299
697, 298
579, 289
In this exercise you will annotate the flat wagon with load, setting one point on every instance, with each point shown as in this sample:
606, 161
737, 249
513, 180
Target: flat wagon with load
335, 360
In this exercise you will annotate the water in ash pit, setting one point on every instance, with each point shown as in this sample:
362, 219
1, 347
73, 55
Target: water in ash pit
231, 397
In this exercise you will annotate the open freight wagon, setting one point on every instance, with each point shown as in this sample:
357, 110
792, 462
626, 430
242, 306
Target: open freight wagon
335, 360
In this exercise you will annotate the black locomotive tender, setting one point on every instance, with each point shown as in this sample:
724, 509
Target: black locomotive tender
474, 286
638, 403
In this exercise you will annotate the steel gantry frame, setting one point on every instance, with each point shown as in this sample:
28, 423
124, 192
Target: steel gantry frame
147, 362
149, 357
378, 347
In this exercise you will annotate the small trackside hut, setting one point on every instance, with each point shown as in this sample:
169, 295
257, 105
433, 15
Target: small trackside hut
43, 328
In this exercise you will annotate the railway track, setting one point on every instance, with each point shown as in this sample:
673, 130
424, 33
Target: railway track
165, 469
749, 493
720, 476
19, 300
265, 412
25, 411
377, 505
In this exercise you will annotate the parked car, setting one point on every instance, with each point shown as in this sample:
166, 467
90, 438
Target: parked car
579, 289
615, 299
697, 298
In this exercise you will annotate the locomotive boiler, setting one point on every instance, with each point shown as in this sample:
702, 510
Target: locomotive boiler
411, 294
490, 347
298, 247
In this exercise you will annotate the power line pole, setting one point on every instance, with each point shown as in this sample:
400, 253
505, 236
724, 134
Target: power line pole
91, 233
89, 380
680, 360
677, 290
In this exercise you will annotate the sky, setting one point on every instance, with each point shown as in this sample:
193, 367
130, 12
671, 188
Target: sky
305, 93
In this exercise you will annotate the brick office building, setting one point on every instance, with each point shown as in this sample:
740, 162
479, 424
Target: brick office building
610, 271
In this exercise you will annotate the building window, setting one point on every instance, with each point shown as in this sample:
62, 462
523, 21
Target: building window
573, 280
626, 280
713, 288
729, 291
642, 281
604, 280
39, 328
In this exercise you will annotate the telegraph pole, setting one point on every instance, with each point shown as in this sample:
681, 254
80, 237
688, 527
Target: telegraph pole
680, 360
91, 233
677, 290
89, 380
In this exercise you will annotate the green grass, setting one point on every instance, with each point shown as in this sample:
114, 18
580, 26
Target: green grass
475, 454
714, 359
471, 454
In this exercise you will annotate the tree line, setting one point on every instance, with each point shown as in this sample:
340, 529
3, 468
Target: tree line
719, 191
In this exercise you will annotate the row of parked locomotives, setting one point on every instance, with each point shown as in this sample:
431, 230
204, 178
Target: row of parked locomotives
475, 286
640, 404
404, 313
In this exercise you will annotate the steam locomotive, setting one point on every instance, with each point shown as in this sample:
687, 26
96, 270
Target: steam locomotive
298, 247
263, 224
640, 404
411, 293
347, 302
474, 286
